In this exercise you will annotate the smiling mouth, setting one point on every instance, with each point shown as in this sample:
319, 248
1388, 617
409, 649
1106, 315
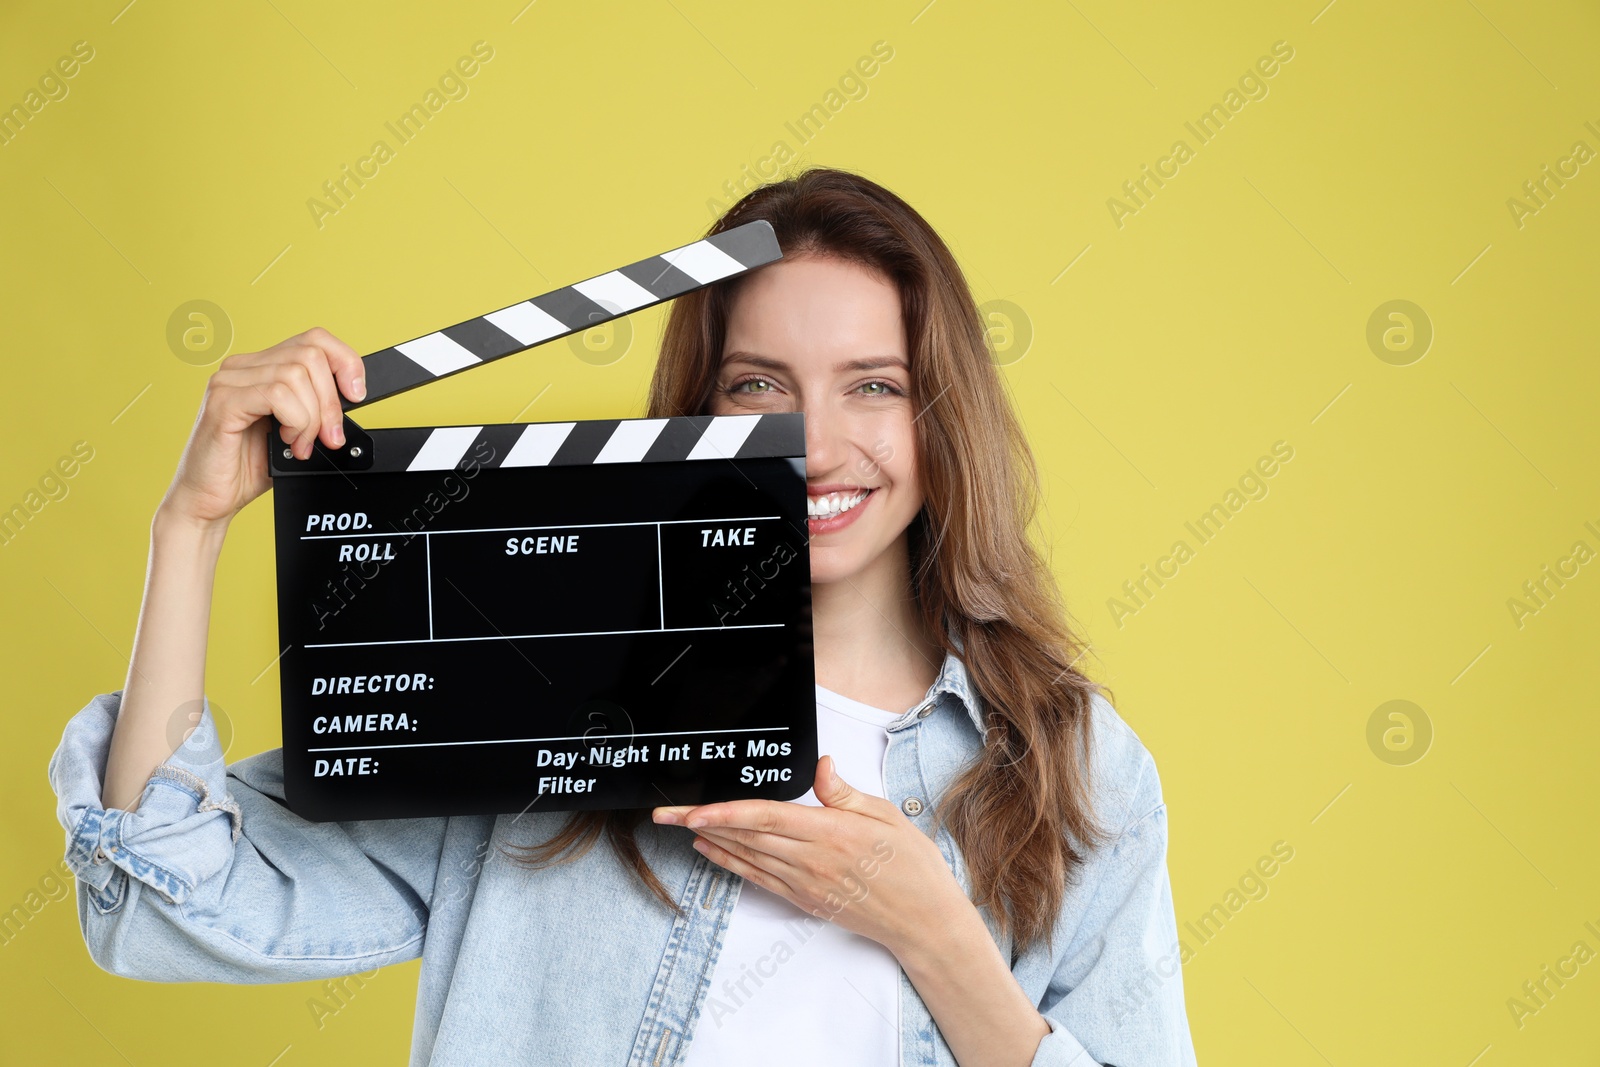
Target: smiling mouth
832, 505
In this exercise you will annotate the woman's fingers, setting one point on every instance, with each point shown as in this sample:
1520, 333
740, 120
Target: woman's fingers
333, 370
749, 845
750, 872
289, 391
299, 382
343, 361
318, 368
330, 416
280, 389
336, 370
781, 817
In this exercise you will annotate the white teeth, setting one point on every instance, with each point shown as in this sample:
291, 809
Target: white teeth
833, 505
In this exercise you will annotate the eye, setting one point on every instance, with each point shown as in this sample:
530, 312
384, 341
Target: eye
880, 388
739, 386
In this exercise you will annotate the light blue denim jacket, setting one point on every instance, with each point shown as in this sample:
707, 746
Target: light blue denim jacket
213, 879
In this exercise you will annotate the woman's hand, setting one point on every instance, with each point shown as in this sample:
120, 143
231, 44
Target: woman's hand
857, 860
300, 380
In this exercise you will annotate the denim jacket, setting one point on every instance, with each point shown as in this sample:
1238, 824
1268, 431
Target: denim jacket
213, 879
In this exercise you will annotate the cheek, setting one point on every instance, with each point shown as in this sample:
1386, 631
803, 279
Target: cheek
899, 468
910, 494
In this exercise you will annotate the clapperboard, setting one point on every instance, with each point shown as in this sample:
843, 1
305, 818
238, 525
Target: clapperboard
549, 616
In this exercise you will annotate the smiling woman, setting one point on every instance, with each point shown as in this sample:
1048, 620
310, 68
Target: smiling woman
977, 875
921, 489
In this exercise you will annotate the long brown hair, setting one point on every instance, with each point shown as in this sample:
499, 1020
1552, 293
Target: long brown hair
1020, 812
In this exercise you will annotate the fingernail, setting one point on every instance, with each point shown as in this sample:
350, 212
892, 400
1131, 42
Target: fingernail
338, 437
698, 820
360, 388
699, 844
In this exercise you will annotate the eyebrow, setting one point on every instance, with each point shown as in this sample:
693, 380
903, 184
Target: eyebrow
769, 363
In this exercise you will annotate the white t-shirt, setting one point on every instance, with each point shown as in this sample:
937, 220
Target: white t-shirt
782, 972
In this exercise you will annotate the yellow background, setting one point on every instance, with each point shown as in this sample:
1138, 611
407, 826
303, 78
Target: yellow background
1229, 313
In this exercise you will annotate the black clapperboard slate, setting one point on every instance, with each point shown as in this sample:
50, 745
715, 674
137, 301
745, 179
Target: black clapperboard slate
547, 616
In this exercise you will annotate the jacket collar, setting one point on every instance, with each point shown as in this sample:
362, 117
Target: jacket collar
953, 679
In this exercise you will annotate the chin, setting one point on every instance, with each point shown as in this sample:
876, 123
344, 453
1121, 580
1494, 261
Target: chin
832, 565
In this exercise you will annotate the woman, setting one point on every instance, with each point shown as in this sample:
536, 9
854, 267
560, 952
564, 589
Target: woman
978, 875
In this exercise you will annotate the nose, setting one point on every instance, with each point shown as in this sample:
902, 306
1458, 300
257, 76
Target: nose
824, 447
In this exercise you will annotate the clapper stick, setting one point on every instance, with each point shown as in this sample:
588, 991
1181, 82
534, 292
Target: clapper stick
567, 310
513, 329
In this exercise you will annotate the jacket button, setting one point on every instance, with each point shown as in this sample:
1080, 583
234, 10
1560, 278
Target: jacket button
99, 855
911, 806
927, 709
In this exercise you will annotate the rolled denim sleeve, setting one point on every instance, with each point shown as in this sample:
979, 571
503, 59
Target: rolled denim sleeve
1117, 994
212, 878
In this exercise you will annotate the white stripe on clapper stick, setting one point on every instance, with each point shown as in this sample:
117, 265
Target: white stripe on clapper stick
538, 444
526, 323
703, 261
444, 448
437, 354
723, 437
630, 441
616, 289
